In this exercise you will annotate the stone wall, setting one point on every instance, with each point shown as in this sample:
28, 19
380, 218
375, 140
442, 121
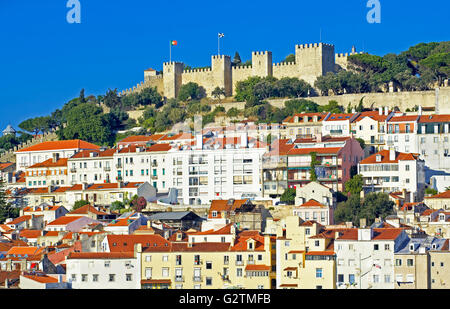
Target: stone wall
433, 98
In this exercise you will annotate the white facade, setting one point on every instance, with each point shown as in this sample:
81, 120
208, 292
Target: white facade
365, 262
104, 273
92, 169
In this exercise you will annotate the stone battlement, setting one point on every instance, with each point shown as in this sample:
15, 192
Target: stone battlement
283, 64
197, 70
261, 53
171, 63
313, 45
242, 67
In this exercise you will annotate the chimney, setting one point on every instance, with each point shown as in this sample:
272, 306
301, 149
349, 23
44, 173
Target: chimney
55, 157
420, 110
386, 110
365, 234
392, 154
296, 119
380, 111
362, 222
121, 184
199, 141
84, 186
337, 235
244, 140
353, 110
149, 224
305, 119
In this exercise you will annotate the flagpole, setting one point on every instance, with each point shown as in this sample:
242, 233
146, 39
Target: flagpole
218, 45
170, 48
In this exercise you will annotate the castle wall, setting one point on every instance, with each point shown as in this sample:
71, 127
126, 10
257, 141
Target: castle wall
438, 99
172, 72
238, 74
285, 69
314, 60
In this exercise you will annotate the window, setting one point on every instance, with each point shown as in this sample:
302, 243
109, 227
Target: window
387, 278
410, 262
317, 243
386, 247
208, 281
351, 278
84, 277
112, 277
107, 263
165, 258
129, 277
95, 278
239, 272
165, 272
148, 272
398, 262
340, 278
318, 272
307, 231
376, 278
208, 265
375, 247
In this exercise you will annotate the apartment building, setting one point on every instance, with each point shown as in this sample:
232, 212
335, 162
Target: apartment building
391, 171
365, 257
412, 263
334, 156
338, 124
274, 168
52, 172
104, 270
217, 168
304, 125
91, 166
145, 164
371, 127
401, 133
47, 150
439, 261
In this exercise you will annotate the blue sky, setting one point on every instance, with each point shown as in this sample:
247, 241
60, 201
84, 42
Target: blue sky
45, 61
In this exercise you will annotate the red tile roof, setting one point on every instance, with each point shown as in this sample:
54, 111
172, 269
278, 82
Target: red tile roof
445, 194
42, 279
434, 118
404, 118
125, 243
87, 153
320, 117
378, 234
60, 145
313, 203
5, 165
30, 233
307, 151
65, 220
251, 267
385, 158
373, 115
49, 163
86, 209
20, 219
223, 205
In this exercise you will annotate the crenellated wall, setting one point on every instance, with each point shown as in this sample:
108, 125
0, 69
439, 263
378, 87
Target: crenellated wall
311, 61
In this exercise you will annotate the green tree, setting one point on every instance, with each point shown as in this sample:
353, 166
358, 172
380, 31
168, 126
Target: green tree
87, 122
289, 58
233, 112
237, 59
6, 209
111, 99
312, 169
79, 204
332, 107
354, 185
288, 196
191, 91
218, 92
117, 206
361, 142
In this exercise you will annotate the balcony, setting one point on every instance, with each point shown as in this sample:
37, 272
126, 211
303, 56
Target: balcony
179, 278
239, 263
119, 165
197, 278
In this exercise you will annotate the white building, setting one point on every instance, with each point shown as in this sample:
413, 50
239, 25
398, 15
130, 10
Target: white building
365, 257
104, 270
391, 171
338, 124
91, 166
47, 150
217, 168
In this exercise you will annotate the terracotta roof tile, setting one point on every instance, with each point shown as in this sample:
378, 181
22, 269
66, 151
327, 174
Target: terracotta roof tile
59, 145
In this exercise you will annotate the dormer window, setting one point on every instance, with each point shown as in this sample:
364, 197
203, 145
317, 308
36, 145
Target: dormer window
214, 214
378, 158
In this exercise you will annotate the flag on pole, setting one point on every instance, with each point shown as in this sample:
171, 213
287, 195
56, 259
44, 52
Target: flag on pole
173, 43
221, 35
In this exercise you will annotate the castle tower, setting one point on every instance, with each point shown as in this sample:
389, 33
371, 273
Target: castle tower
172, 78
314, 60
221, 73
262, 64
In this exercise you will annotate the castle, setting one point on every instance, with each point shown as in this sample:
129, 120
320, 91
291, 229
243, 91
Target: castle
311, 61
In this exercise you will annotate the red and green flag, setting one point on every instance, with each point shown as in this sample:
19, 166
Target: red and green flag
173, 43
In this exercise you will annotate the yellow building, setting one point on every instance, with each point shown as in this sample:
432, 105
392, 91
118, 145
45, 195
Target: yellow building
305, 256
440, 270
247, 263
